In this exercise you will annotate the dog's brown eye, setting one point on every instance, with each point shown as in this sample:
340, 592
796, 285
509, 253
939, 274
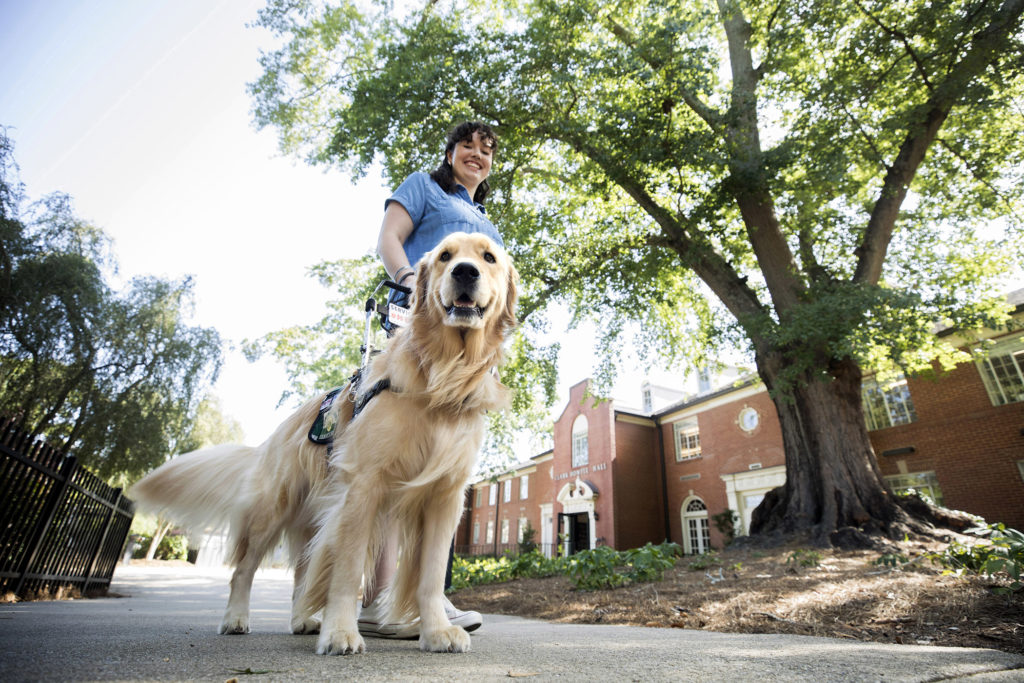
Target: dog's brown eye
489, 257
445, 256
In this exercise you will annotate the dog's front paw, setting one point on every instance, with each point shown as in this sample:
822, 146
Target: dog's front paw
306, 626
234, 625
340, 643
451, 639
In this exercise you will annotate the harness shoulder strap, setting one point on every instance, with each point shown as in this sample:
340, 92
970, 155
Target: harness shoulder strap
379, 386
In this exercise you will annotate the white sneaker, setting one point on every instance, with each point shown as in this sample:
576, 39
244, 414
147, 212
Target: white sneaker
372, 621
470, 621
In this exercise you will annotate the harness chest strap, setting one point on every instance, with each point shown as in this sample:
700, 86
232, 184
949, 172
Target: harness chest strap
365, 397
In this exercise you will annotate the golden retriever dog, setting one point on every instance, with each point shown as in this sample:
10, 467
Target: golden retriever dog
399, 465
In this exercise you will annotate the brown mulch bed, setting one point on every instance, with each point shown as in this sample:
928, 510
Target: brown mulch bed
847, 595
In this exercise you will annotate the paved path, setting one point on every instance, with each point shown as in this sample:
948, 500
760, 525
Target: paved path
166, 631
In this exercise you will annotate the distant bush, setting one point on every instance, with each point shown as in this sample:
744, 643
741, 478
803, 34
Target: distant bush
601, 567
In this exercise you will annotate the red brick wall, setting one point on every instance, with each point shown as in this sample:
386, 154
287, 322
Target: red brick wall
636, 471
598, 471
972, 446
725, 449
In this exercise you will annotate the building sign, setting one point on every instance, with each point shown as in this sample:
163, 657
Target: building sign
581, 472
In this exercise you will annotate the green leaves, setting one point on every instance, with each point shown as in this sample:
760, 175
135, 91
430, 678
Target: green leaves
115, 375
595, 569
798, 178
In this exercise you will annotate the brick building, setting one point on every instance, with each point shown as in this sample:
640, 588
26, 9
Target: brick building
622, 477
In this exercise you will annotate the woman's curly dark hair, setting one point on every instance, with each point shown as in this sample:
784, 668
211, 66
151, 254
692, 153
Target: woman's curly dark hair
443, 175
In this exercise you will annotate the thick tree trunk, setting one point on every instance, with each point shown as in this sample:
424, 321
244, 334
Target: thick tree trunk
834, 492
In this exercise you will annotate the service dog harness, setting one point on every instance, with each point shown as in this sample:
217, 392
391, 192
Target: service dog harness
322, 431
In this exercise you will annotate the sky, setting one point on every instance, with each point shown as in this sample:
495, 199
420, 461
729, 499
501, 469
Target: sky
139, 111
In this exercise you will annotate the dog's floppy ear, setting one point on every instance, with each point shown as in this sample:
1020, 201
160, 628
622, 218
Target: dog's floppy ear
419, 298
508, 317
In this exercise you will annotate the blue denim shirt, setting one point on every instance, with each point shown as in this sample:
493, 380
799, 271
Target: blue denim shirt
435, 215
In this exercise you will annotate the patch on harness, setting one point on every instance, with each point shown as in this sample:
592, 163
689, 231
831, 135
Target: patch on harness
322, 431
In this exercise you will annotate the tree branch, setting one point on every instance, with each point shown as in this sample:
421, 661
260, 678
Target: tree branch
746, 166
708, 264
922, 132
711, 117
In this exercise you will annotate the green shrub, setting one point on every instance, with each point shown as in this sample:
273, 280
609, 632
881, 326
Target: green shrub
804, 557
477, 571
703, 561
601, 567
1002, 551
725, 522
527, 544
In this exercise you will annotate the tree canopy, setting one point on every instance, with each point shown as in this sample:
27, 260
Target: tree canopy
652, 154
115, 376
820, 183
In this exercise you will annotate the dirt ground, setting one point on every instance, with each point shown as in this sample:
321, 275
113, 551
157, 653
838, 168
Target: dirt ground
845, 595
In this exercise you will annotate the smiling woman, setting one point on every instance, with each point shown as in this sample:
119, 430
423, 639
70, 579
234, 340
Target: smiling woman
417, 217
425, 208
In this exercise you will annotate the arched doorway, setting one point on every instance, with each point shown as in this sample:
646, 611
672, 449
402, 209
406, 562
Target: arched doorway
696, 530
576, 521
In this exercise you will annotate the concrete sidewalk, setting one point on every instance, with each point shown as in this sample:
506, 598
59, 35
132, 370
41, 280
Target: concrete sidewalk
166, 631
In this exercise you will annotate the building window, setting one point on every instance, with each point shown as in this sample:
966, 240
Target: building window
1020, 468
490, 532
687, 438
504, 531
494, 495
524, 487
1002, 370
696, 532
886, 404
924, 483
476, 532
522, 528
507, 497
479, 497
580, 455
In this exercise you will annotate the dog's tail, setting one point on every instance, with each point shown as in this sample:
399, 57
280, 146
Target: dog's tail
198, 489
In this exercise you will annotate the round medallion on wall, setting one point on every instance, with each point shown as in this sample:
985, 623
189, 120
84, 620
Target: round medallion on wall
748, 419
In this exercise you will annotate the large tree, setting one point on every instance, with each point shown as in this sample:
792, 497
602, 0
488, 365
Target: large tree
820, 182
114, 376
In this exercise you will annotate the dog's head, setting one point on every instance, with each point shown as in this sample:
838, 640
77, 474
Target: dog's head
467, 282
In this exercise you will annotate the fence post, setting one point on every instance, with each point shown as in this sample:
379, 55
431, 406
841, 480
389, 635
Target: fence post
67, 469
114, 509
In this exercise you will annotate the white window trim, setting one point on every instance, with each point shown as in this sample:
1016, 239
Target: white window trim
691, 545
493, 497
507, 493
925, 480
997, 392
686, 429
524, 487
580, 442
896, 399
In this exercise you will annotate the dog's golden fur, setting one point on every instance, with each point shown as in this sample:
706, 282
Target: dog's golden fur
400, 466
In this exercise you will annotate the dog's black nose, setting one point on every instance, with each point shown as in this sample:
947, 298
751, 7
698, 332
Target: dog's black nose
465, 273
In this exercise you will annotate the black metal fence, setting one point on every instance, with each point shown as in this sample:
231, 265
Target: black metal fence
499, 549
60, 525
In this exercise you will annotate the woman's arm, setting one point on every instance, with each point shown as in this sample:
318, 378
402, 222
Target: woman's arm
394, 230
